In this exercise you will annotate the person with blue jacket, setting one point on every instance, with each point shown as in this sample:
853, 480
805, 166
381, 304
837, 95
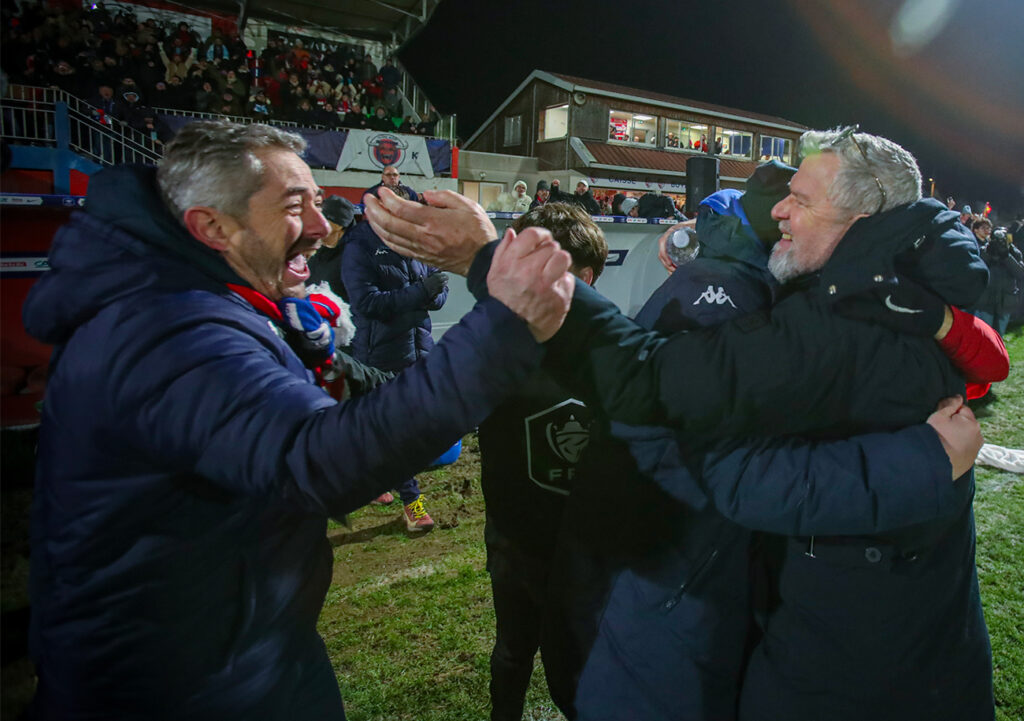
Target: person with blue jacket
188, 461
391, 297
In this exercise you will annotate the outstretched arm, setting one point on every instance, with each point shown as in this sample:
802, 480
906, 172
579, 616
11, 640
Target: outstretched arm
867, 484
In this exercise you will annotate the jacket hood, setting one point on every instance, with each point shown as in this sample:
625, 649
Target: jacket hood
724, 233
124, 242
922, 241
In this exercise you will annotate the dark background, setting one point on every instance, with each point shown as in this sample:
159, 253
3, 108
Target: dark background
955, 100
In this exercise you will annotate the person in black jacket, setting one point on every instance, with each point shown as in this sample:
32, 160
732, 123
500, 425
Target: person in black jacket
884, 626
529, 450
585, 199
1006, 274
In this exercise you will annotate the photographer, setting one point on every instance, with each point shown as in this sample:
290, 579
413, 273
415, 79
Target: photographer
1006, 274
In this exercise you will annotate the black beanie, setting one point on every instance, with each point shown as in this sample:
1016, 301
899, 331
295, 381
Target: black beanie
765, 188
338, 210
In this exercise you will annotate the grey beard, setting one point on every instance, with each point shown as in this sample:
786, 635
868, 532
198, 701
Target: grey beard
783, 266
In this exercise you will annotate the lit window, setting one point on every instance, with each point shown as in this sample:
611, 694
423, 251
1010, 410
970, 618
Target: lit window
513, 130
632, 128
686, 135
776, 149
735, 143
554, 122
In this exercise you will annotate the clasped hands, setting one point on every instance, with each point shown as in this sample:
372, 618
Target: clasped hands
529, 272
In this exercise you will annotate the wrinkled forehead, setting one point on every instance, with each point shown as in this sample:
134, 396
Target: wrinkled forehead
284, 171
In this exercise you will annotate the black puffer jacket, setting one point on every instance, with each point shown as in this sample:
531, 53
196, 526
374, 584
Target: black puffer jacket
867, 627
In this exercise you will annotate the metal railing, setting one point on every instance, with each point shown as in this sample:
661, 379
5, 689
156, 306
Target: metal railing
52, 117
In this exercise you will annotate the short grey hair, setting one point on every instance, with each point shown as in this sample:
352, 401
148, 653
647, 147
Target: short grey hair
214, 163
854, 188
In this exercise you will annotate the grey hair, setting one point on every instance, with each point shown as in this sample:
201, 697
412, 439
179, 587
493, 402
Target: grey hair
854, 188
214, 163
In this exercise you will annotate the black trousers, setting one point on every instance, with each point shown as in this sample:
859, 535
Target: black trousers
519, 585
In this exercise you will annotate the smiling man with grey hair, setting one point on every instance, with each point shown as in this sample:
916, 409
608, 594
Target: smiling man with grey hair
865, 627
188, 462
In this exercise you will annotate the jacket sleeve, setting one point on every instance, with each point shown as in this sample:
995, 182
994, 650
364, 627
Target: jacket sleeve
360, 275
795, 369
229, 411
865, 485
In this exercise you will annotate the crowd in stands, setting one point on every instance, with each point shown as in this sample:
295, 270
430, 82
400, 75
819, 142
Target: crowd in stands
129, 70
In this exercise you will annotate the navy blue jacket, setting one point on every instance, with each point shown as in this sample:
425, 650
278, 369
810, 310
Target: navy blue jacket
388, 300
187, 466
886, 626
676, 606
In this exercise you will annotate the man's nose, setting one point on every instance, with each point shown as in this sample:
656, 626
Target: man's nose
315, 225
781, 209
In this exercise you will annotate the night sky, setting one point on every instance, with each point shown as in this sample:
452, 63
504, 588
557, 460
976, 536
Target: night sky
954, 97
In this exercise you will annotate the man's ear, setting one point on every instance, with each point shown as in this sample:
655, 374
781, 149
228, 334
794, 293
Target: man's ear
209, 226
586, 275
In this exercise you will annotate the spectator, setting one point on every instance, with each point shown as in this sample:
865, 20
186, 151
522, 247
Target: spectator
177, 65
1006, 275
428, 124
393, 102
628, 207
380, 120
65, 78
655, 205
541, 196
516, 201
355, 118
216, 52
304, 114
390, 76
585, 199
390, 298
259, 106
967, 217
367, 70
207, 100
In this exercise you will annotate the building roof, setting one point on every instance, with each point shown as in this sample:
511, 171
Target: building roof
610, 156
611, 89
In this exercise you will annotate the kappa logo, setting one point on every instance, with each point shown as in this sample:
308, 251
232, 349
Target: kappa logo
712, 297
386, 149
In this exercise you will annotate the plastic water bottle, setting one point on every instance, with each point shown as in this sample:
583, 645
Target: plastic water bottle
682, 246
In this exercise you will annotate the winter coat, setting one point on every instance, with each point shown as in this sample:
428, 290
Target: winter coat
187, 465
389, 302
884, 626
673, 605
1006, 277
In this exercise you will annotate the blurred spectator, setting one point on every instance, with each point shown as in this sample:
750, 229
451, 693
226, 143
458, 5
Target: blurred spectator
207, 98
356, 118
967, 217
66, 78
380, 120
367, 70
304, 114
390, 76
393, 102
259, 106
516, 201
585, 199
540, 197
177, 65
429, 122
656, 205
617, 204
628, 207
103, 101
1006, 275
